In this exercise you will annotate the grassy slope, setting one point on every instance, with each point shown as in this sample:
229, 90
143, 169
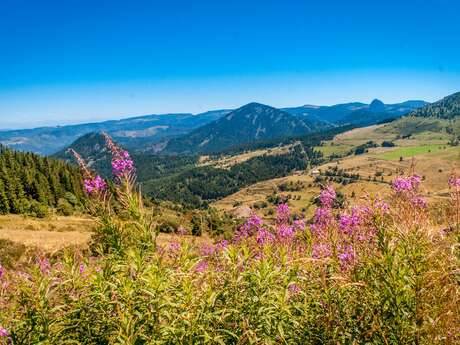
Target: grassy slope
426, 148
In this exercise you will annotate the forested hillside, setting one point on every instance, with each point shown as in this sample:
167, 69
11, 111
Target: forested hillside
30, 184
446, 108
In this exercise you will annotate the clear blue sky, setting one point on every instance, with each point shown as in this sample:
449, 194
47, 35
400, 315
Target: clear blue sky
68, 61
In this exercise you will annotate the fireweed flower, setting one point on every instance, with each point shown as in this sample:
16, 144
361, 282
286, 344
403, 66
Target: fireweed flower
174, 247
285, 231
249, 228
95, 185
327, 197
346, 256
294, 289
81, 268
122, 164
381, 206
264, 236
283, 213
2, 271
44, 265
3, 332
202, 266
419, 202
454, 182
406, 184
208, 250
221, 245
299, 225
321, 251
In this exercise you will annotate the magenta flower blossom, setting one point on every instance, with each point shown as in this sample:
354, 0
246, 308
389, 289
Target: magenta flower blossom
208, 250
202, 266
406, 184
327, 197
44, 265
2, 271
285, 231
299, 225
95, 185
81, 268
419, 202
249, 228
294, 289
221, 245
3, 332
348, 223
174, 246
346, 256
283, 213
454, 182
181, 231
321, 251
122, 165
382, 206
264, 236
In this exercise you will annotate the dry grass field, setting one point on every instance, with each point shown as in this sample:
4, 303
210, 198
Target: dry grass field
52, 234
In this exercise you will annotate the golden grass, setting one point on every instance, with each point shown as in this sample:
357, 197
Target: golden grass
50, 235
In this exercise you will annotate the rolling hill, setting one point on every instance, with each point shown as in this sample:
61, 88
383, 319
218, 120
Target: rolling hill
252, 122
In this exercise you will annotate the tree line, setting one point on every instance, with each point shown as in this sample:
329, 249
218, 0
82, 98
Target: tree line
31, 184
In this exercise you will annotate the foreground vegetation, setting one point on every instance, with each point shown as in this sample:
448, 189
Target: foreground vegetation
376, 272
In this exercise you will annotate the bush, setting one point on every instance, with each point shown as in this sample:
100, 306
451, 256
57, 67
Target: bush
388, 144
38, 210
64, 207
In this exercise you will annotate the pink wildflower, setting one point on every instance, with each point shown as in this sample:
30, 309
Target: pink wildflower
382, 206
299, 225
3, 332
264, 236
327, 197
81, 268
174, 246
2, 271
406, 184
454, 182
321, 251
285, 232
419, 202
202, 266
95, 185
294, 289
208, 250
283, 213
44, 265
122, 165
346, 256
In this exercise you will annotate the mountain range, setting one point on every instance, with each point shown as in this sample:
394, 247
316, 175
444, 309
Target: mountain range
249, 123
209, 131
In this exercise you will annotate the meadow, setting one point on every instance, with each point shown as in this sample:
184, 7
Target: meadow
372, 270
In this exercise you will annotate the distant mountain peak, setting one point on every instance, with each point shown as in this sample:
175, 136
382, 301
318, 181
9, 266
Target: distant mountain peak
377, 105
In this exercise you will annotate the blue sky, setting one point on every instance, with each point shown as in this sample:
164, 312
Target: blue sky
76, 60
